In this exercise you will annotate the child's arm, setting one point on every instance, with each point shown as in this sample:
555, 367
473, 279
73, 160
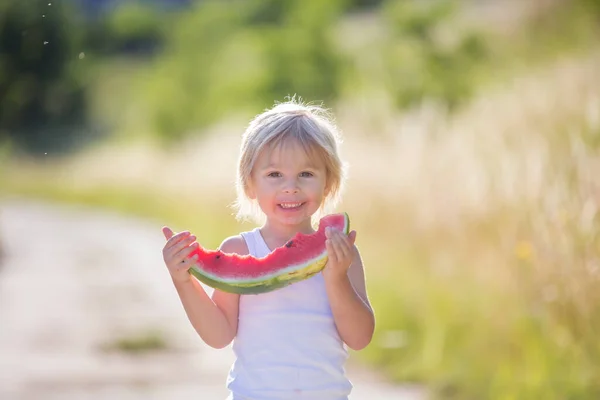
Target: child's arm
346, 289
215, 319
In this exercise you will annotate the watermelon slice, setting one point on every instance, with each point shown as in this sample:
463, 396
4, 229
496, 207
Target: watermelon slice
300, 258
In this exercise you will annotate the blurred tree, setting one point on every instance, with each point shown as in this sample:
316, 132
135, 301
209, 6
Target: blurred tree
301, 56
230, 56
129, 27
363, 4
424, 61
593, 6
39, 91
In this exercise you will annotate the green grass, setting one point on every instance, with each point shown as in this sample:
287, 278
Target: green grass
140, 343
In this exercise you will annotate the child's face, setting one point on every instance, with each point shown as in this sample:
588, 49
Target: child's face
288, 184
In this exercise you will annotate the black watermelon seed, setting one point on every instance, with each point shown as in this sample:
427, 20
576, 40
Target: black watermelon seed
218, 256
289, 244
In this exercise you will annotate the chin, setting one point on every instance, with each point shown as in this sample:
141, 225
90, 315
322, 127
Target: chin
294, 220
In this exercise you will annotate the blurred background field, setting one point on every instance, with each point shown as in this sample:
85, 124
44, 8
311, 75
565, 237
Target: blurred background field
471, 128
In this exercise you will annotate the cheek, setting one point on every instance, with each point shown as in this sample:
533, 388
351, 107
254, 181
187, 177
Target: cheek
264, 187
318, 188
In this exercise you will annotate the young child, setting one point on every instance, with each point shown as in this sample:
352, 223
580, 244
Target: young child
289, 343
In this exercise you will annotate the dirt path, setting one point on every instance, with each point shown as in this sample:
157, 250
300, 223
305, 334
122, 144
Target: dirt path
73, 281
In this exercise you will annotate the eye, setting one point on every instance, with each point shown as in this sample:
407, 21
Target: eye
274, 174
306, 174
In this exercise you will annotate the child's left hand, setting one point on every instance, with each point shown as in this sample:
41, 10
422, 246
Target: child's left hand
340, 253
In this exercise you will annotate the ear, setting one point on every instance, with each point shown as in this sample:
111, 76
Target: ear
250, 192
327, 190
326, 193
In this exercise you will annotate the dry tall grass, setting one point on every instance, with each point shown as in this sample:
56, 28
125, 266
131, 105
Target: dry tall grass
487, 234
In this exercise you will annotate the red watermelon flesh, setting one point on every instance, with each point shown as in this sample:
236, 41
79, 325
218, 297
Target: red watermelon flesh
301, 257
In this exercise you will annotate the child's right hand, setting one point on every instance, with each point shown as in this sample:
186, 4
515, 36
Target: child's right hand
175, 254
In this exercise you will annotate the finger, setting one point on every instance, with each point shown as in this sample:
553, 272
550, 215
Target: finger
176, 240
331, 232
187, 262
172, 251
341, 245
331, 251
352, 237
349, 241
167, 232
182, 254
331, 235
341, 240
341, 248
178, 236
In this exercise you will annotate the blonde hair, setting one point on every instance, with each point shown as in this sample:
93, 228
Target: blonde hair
310, 125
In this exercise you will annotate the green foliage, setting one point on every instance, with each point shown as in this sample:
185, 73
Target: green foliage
224, 57
211, 64
240, 56
40, 93
593, 7
218, 58
132, 27
425, 61
140, 343
363, 4
134, 21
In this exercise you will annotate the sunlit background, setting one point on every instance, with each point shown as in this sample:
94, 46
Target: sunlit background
472, 133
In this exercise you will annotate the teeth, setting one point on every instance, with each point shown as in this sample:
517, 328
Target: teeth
290, 205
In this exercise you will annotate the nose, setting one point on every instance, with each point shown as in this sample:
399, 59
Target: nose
290, 186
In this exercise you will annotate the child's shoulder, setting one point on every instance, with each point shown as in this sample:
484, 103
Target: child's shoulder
234, 244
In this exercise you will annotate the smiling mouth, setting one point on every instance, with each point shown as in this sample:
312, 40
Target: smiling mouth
289, 206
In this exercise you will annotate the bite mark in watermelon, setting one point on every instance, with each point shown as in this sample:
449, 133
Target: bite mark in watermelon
300, 258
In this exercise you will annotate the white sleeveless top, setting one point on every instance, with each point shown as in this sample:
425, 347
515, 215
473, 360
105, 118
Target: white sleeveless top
287, 345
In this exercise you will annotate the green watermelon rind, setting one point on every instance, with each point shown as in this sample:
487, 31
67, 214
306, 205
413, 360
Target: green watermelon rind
264, 284
257, 287
277, 275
